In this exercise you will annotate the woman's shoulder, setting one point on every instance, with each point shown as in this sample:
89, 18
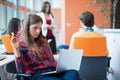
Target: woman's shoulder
45, 44
40, 13
22, 44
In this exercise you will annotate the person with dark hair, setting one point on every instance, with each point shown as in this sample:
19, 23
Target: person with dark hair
94, 47
87, 18
87, 21
14, 26
87, 31
48, 25
33, 54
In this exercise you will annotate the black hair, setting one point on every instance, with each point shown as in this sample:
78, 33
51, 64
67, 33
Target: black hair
13, 26
87, 18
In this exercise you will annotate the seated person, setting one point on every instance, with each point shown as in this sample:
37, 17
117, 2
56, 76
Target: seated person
33, 54
93, 43
13, 26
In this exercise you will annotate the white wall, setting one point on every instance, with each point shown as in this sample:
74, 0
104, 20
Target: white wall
113, 44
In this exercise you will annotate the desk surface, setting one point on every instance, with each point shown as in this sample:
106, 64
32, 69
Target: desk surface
8, 59
2, 48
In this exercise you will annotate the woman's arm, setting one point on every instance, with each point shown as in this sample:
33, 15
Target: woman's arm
15, 45
52, 26
18, 59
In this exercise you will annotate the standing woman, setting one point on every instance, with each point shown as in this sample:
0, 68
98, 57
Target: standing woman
48, 25
33, 54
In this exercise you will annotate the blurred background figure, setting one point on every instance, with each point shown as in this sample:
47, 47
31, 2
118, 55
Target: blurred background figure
48, 25
14, 26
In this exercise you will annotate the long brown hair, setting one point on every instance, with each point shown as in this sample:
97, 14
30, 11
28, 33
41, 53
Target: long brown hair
26, 37
44, 8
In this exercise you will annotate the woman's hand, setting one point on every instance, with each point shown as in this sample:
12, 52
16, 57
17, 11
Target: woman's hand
50, 27
14, 41
15, 44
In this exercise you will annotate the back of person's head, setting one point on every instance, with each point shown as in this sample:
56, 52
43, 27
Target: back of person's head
29, 20
44, 6
87, 18
13, 26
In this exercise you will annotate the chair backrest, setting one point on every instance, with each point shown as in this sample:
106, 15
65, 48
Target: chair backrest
93, 68
6, 39
11, 68
93, 65
92, 43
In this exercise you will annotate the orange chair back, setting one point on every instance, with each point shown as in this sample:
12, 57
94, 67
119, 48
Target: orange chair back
92, 43
6, 39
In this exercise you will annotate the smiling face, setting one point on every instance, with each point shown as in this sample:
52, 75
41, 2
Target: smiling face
35, 30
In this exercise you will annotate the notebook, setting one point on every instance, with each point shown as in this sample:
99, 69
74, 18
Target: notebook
68, 59
6, 39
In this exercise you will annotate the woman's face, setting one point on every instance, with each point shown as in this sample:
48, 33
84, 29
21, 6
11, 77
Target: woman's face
47, 8
35, 30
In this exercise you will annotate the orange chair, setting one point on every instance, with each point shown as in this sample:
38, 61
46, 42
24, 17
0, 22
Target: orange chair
94, 60
92, 43
6, 39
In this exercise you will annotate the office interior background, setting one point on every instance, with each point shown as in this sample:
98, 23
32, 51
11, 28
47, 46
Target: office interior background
66, 13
